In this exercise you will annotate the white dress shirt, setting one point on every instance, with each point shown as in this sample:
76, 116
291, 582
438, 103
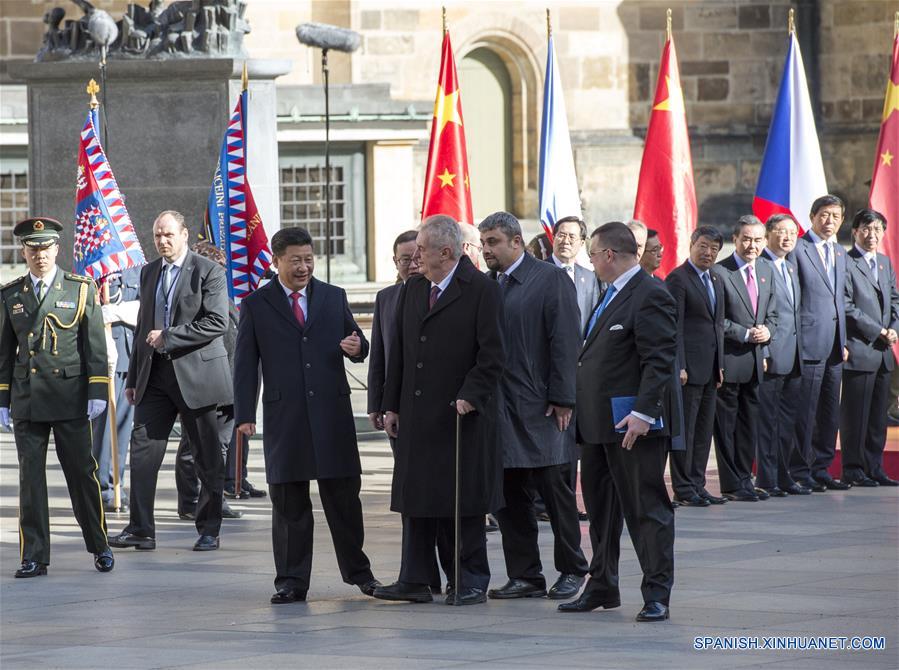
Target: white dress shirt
304, 304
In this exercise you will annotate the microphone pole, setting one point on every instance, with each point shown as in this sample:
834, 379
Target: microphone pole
327, 167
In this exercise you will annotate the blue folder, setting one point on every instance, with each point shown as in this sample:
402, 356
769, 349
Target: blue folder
624, 405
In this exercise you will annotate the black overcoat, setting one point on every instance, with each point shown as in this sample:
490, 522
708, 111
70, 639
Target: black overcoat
453, 351
309, 431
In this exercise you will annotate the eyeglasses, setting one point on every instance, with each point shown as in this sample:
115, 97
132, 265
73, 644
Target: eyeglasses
870, 228
593, 254
404, 261
571, 237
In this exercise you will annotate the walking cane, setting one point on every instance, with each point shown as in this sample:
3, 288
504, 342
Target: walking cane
238, 465
457, 518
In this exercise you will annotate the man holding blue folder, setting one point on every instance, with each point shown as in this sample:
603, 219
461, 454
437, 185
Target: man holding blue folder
624, 417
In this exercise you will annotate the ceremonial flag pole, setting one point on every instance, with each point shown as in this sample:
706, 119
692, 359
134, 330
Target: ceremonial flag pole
105, 239
792, 173
447, 188
884, 196
666, 196
559, 195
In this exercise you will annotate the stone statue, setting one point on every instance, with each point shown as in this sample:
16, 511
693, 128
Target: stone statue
183, 29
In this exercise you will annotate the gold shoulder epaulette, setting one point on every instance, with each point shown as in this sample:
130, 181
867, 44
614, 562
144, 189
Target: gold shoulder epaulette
12, 283
72, 275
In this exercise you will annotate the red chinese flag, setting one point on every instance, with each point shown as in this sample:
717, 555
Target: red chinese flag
447, 190
666, 198
885, 181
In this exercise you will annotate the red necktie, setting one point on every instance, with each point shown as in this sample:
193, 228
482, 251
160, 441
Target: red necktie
752, 289
435, 293
297, 310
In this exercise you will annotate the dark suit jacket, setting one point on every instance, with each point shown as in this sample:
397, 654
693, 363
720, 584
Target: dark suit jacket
542, 336
870, 307
382, 327
823, 309
453, 351
194, 340
309, 429
786, 340
631, 351
743, 361
700, 331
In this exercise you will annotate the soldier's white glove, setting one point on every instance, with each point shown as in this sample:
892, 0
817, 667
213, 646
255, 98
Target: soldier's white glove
95, 408
4, 418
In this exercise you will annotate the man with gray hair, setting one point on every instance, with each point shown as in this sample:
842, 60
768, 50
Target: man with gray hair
542, 327
471, 243
444, 373
641, 234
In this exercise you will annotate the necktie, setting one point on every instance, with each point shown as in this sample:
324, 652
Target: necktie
435, 293
873, 265
502, 278
828, 263
607, 298
786, 276
297, 309
752, 289
569, 269
166, 280
708, 287
40, 290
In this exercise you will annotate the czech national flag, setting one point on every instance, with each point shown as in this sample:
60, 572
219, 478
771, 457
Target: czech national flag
792, 174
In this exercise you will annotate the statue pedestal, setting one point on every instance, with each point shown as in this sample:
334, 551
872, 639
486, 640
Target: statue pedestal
166, 124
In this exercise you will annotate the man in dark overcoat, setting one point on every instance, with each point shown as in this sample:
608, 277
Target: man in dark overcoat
536, 431
301, 329
445, 371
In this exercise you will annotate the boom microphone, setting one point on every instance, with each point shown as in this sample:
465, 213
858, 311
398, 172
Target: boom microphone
324, 36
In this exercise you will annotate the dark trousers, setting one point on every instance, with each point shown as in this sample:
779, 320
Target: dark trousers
420, 534
102, 439
73, 448
863, 422
688, 465
293, 525
154, 418
780, 397
615, 483
187, 482
518, 523
818, 419
736, 417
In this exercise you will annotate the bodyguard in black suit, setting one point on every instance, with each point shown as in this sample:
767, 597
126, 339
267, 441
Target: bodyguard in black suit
444, 371
300, 330
535, 430
750, 316
872, 322
822, 274
699, 295
780, 393
179, 366
629, 353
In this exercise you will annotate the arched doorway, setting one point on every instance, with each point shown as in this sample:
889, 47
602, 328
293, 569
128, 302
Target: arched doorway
485, 81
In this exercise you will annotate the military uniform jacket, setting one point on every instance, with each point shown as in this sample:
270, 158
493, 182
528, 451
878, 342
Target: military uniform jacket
52, 353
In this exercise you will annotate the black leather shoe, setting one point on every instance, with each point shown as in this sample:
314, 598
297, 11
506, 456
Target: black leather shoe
469, 596
776, 492
104, 561
286, 596
31, 569
244, 494
125, 540
543, 516
653, 611
693, 501
883, 480
742, 496
813, 485
835, 484
713, 500
566, 587
862, 480
797, 489
517, 588
368, 588
761, 494
491, 525
589, 602
412, 593
187, 516
228, 513
206, 543
252, 491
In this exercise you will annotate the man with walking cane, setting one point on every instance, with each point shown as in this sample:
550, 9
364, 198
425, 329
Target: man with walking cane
445, 372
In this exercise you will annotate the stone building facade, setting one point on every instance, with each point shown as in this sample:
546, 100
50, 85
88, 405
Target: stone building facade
731, 55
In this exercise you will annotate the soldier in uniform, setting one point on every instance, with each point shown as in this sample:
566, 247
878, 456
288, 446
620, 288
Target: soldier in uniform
53, 375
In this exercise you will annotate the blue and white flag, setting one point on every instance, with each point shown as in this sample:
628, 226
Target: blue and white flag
559, 195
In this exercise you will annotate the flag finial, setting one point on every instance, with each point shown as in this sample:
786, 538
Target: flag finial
549, 25
443, 18
244, 78
791, 21
668, 24
92, 90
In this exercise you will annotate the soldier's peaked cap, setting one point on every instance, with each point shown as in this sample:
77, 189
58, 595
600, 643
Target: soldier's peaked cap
38, 231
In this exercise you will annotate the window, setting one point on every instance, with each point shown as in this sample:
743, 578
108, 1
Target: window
13, 208
302, 182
